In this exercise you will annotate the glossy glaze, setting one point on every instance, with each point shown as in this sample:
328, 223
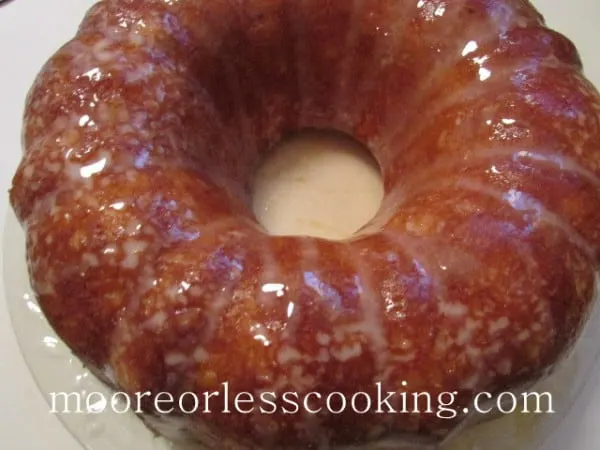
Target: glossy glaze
141, 139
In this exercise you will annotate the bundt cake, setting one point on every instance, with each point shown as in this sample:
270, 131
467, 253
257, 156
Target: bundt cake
141, 139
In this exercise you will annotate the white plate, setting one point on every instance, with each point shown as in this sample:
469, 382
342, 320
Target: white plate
55, 370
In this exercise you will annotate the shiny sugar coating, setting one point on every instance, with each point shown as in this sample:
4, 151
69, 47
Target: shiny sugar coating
141, 139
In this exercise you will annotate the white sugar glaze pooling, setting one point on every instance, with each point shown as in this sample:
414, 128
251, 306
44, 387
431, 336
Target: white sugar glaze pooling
142, 136
306, 185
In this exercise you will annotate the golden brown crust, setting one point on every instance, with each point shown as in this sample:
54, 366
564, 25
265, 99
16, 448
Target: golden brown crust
142, 134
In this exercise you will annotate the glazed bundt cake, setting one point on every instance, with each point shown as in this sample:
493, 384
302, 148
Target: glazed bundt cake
141, 139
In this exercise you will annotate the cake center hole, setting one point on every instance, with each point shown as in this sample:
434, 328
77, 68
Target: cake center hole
318, 183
